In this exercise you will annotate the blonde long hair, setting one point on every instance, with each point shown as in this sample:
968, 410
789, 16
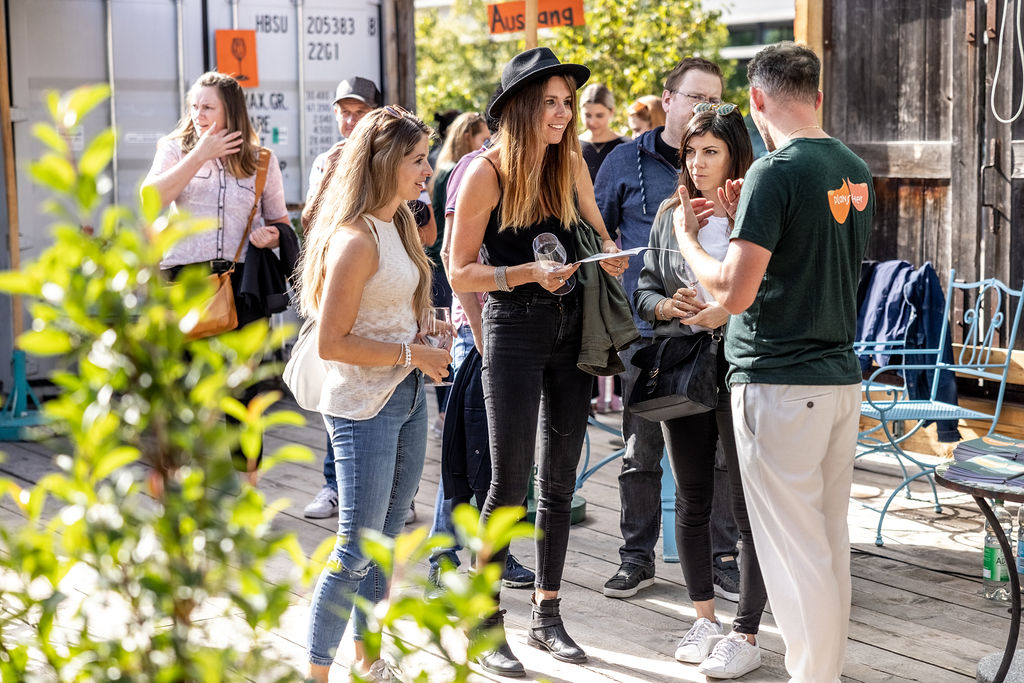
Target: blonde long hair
242, 163
458, 142
540, 179
364, 181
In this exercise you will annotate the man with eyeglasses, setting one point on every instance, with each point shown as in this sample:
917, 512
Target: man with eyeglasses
633, 181
789, 278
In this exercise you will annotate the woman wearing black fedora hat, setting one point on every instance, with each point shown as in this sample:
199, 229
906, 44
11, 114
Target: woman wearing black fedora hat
531, 182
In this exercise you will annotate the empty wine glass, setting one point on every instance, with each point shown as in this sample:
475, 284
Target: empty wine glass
436, 330
550, 254
238, 51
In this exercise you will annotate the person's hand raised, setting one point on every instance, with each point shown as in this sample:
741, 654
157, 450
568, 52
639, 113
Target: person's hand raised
729, 195
214, 143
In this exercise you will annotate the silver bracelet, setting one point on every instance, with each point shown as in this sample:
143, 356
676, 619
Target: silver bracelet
500, 279
408, 355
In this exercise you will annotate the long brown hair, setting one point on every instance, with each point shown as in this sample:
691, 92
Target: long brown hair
242, 163
364, 180
540, 179
730, 129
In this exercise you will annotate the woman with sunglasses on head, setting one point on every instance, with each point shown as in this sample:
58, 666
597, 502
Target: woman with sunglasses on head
532, 181
715, 149
366, 280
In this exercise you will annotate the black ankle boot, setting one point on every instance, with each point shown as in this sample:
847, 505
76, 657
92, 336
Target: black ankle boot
548, 633
499, 659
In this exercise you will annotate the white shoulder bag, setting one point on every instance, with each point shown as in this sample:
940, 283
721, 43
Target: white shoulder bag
304, 374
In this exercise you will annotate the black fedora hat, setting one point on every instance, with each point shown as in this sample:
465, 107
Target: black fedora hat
527, 67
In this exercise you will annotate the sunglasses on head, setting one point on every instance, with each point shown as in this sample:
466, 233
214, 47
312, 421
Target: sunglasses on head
397, 111
720, 108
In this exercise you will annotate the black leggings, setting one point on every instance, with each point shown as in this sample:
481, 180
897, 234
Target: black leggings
691, 443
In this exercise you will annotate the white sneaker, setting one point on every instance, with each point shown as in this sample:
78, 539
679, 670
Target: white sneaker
380, 672
732, 657
696, 645
325, 504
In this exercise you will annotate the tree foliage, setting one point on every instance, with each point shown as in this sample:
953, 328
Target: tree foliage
629, 45
458, 63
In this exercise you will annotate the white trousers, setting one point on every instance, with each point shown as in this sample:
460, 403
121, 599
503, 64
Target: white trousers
796, 445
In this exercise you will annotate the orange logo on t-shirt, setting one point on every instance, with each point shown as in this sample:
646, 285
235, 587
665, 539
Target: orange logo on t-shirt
840, 199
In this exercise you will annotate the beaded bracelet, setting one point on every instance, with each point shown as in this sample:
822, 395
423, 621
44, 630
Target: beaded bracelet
408, 355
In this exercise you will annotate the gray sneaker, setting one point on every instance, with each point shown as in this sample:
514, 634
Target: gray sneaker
726, 576
324, 504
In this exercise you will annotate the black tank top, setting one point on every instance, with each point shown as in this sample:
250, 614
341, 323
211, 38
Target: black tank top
514, 246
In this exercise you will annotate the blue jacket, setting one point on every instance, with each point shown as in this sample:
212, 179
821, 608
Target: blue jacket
907, 304
633, 181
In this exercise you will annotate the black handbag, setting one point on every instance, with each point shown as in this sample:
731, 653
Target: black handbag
678, 377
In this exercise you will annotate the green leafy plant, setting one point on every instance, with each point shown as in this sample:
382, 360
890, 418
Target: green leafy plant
124, 556
464, 601
146, 512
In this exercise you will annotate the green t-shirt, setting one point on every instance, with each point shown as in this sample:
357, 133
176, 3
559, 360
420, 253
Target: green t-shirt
810, 203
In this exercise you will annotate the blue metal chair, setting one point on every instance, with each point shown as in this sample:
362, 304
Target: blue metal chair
668, 488
990, 321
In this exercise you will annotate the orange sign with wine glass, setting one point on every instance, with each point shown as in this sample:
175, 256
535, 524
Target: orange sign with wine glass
236, 56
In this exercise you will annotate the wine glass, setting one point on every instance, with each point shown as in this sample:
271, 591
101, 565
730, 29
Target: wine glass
550, 254
238, 51
436, 330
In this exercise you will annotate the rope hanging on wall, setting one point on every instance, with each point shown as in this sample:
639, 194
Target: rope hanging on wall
999, 62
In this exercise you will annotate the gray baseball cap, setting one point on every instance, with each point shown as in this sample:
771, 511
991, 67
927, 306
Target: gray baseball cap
362, 89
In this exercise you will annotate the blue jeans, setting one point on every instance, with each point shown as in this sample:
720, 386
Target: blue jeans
330, 478
531, 347
379, 462
443, 508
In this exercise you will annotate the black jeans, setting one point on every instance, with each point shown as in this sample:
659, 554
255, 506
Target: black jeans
531, 346
640, 482
691, 445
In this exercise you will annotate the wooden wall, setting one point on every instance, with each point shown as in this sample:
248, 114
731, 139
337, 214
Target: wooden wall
906, 86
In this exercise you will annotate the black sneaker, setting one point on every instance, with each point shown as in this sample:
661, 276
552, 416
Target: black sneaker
629, 580
726, 575
516, 575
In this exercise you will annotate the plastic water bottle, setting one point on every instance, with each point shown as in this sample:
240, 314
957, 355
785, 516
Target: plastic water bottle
1020, 544
995, 577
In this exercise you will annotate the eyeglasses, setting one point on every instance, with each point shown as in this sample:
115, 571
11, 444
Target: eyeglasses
696, 97
720, 108
397, 111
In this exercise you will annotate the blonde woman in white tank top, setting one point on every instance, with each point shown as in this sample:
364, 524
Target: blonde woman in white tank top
366, 279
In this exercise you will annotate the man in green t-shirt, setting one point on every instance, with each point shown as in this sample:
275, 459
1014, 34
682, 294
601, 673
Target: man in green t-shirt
790, 280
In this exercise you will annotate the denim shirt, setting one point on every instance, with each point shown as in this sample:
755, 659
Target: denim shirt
633, 182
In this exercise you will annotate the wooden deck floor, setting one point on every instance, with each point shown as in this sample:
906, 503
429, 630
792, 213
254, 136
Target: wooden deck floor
917, 613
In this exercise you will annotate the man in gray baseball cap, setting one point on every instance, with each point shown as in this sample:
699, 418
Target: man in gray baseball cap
354, 98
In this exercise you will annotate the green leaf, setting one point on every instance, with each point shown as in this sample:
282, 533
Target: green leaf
79, 102
49, 136
48, 342
53, 172
98, 154
150, 204
15, 282
114, 460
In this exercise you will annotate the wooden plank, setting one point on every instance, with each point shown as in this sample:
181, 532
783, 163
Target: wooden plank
1016, 375
905, 158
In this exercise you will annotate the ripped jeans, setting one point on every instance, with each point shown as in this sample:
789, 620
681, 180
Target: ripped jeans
378, 463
